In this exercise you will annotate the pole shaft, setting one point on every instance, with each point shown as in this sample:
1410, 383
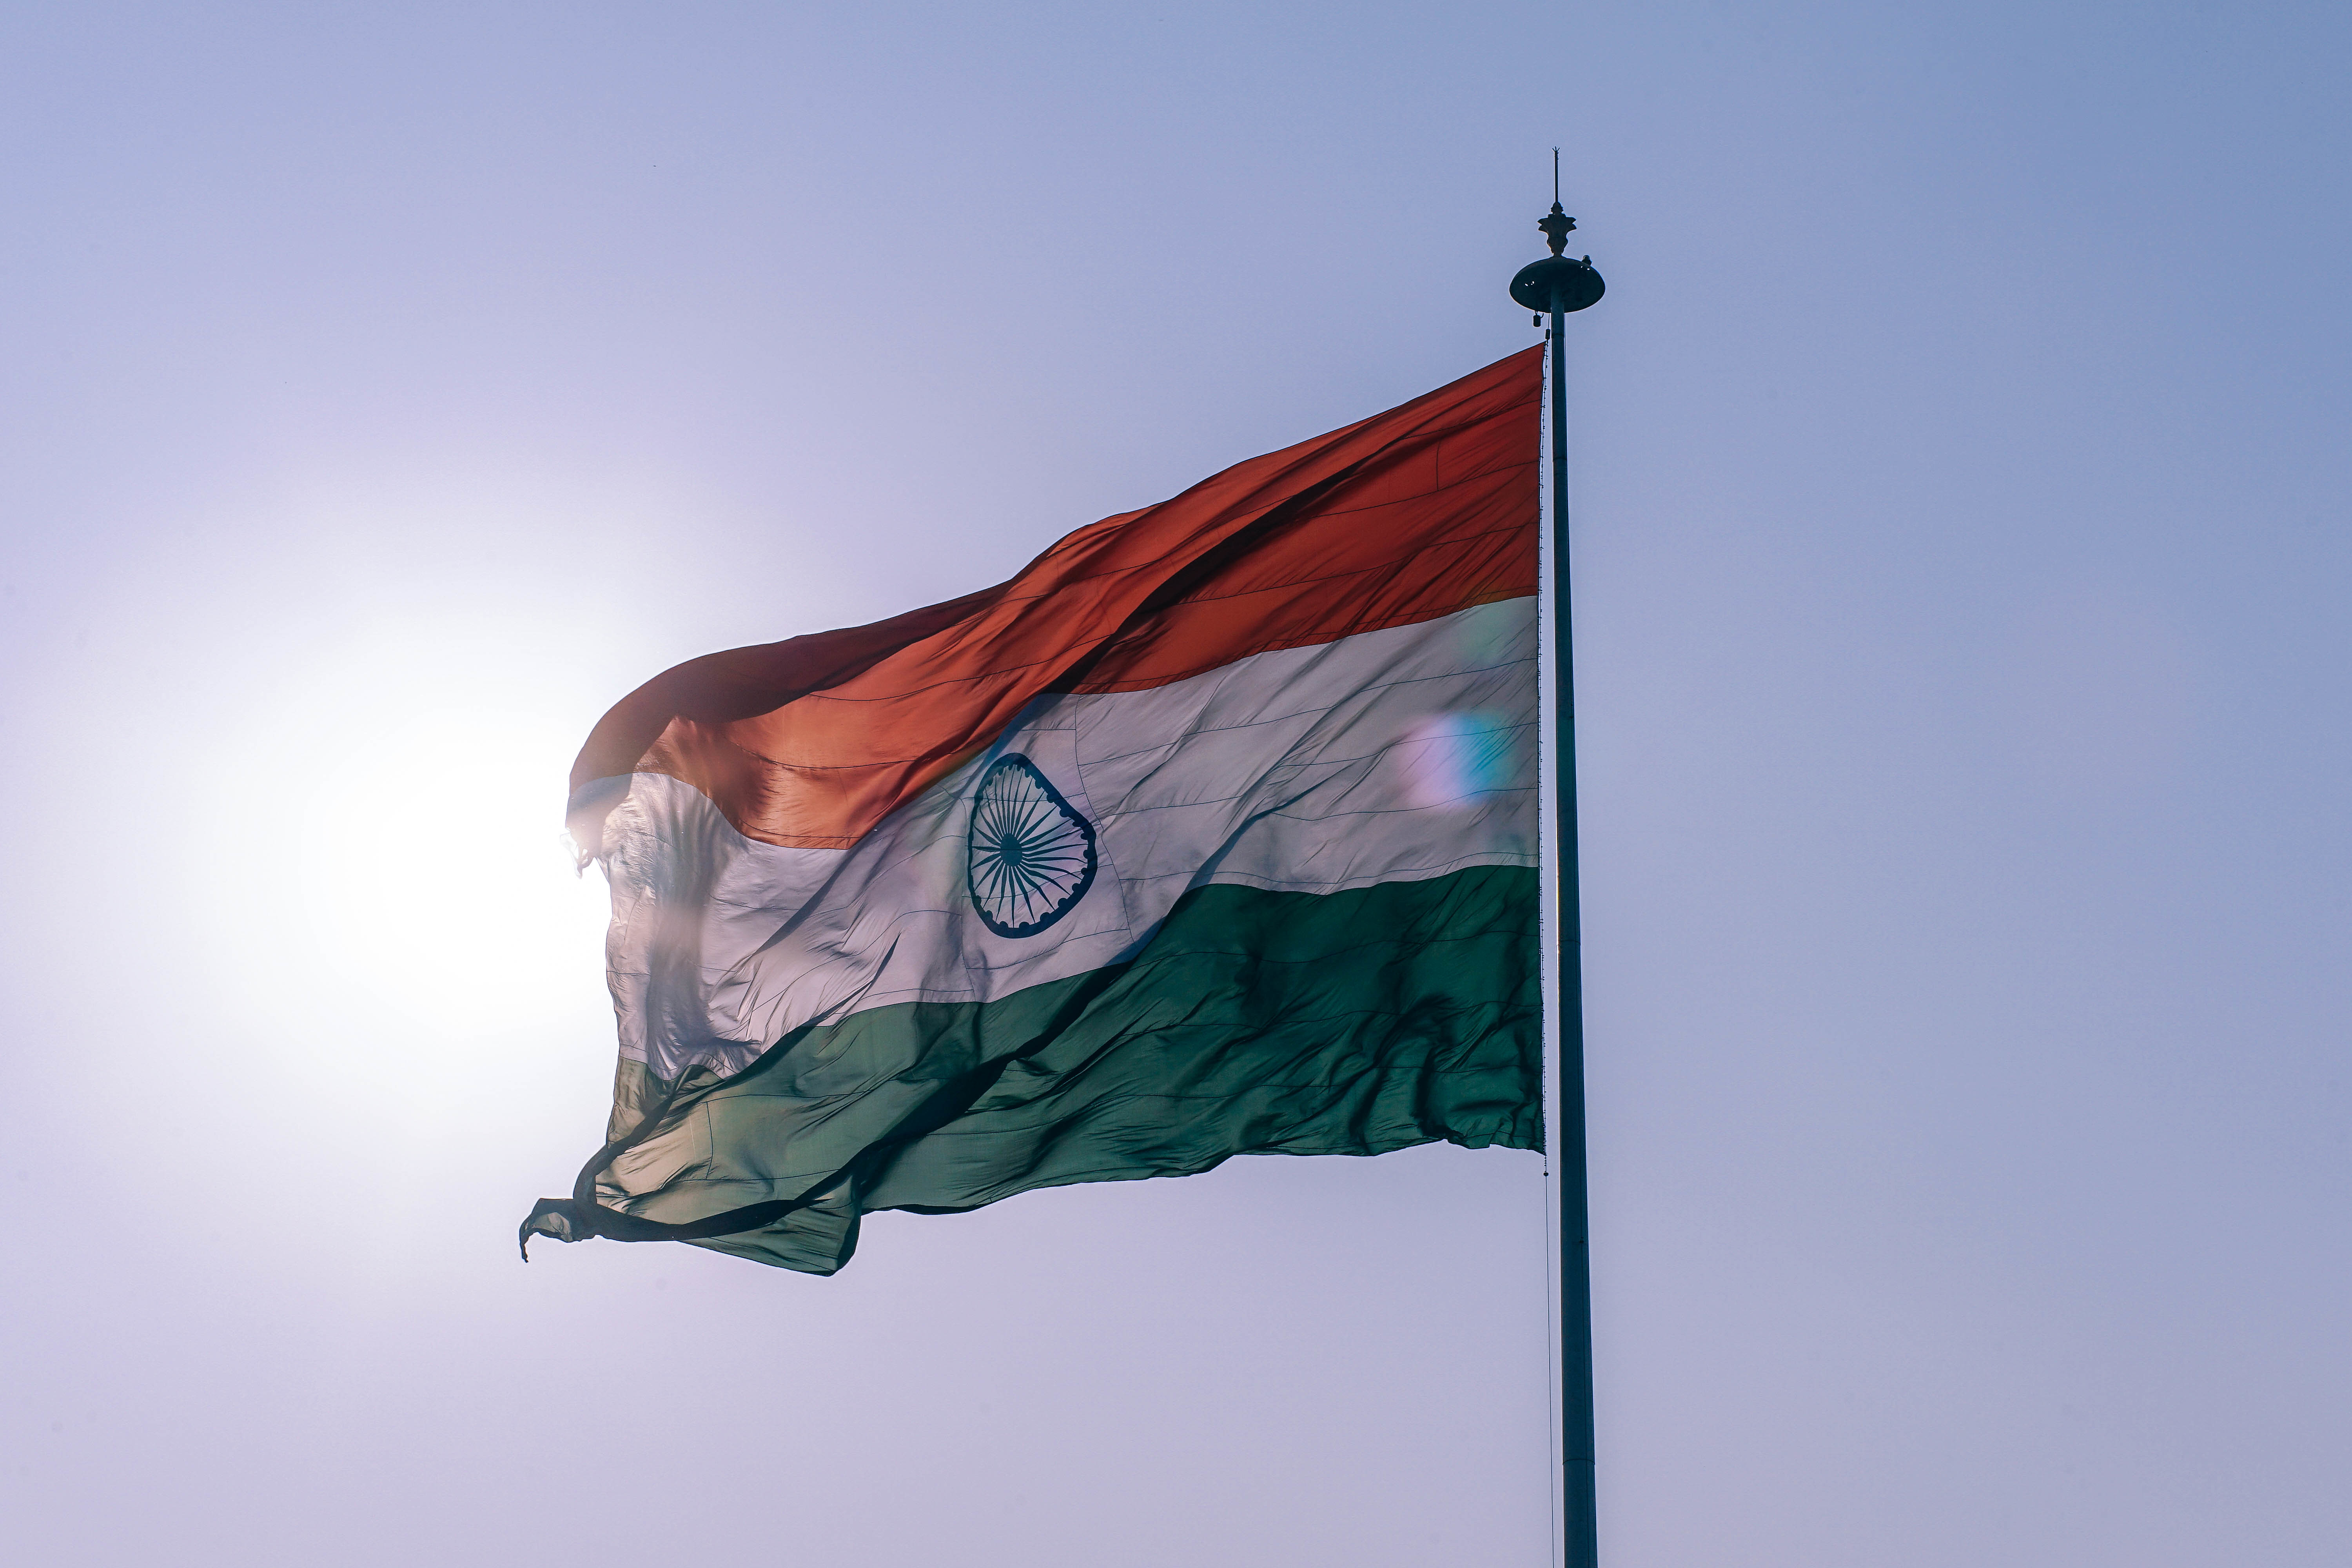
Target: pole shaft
1580, 1535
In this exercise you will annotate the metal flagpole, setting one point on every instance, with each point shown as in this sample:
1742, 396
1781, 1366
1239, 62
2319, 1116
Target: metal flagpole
1559, 284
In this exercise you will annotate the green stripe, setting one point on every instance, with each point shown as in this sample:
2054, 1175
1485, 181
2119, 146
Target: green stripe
1252, 1023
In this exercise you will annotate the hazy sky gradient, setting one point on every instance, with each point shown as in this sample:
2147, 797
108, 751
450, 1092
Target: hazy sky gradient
1961, 461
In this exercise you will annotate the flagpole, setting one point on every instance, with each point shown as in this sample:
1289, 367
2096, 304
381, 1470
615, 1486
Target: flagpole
1559, 285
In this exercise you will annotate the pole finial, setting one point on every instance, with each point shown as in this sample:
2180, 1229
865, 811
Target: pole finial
1556, 224
1559, 283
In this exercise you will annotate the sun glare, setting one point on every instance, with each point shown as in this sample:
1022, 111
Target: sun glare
390, 844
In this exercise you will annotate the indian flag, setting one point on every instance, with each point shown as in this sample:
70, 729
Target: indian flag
1212, 832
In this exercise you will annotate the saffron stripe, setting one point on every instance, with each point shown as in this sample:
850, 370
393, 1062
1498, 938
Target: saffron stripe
1414, 514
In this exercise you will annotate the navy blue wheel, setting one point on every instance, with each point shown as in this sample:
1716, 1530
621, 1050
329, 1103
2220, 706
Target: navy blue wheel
1033, 856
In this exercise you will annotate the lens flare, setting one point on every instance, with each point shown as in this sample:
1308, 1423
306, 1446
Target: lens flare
1458, 759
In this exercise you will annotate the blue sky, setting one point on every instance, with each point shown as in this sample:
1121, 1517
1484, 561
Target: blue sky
1960, 464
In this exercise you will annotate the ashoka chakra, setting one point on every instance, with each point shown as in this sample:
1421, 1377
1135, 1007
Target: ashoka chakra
1033, 856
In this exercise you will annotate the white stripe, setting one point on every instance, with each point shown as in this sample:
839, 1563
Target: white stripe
1390, 756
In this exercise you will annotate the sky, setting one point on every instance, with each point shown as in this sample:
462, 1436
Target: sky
1959, 476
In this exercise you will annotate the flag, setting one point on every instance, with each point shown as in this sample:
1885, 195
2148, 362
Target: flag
1212, 832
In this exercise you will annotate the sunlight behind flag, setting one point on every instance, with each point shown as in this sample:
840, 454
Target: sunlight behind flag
1212, 832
